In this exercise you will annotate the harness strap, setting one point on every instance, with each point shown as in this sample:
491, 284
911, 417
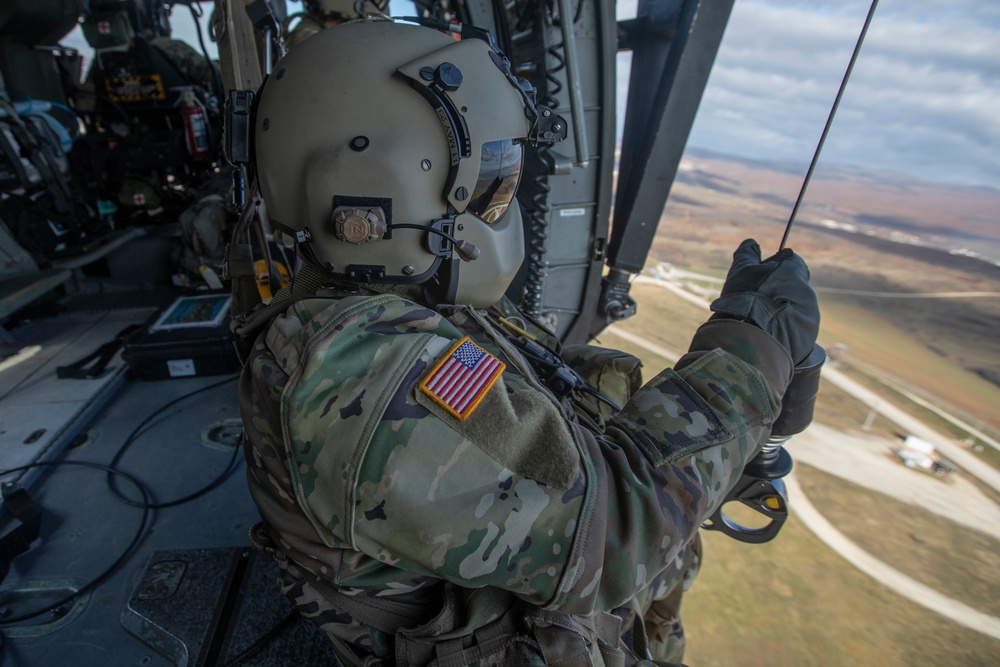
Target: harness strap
383, 614
239, 262
83, 369
640, 641
273, 279
564, 638
447, 641
249, 313
307, 284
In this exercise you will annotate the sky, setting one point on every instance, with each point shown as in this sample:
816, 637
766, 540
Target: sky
924, 97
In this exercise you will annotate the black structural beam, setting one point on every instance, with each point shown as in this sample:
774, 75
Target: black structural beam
674, 43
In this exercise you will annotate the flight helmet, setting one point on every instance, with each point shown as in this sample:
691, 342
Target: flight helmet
391, 153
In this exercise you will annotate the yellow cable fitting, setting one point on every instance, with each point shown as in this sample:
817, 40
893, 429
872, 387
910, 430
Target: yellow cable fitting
516, 329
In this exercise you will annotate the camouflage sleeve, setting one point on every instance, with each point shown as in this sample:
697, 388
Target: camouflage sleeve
521, 497
748, 342
662, 466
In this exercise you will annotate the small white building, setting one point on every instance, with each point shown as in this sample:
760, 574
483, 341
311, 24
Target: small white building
913, 443
922, 455
914, 459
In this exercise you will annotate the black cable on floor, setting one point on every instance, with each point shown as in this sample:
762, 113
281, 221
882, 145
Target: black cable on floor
99, 579
140, 429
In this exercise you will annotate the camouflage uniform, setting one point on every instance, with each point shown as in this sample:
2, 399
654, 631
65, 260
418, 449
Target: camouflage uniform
507, 536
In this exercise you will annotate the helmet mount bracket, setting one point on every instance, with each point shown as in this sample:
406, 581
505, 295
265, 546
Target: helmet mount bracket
441, 244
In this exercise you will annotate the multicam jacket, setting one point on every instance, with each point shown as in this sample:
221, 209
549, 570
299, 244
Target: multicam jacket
373, 488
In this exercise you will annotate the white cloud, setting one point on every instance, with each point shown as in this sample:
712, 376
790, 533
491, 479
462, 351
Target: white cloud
922, 98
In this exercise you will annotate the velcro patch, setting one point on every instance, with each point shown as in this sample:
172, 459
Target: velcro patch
460, 380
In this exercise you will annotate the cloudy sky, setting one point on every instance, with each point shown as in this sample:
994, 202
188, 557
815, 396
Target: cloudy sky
924, 97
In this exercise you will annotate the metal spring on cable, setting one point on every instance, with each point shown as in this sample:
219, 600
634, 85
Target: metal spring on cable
537, 208
771, 449
538, 235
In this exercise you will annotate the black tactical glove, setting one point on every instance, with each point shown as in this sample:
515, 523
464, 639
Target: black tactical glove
773, 294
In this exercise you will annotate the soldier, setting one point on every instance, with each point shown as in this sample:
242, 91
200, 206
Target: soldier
436, 481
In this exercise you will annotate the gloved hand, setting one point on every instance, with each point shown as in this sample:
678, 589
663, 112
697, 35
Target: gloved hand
773, 294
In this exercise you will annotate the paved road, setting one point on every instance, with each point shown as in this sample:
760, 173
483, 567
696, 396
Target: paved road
947, 416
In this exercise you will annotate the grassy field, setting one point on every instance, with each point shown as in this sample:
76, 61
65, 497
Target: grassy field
794, 601
879, 344
947, 557
722, 202
670, 321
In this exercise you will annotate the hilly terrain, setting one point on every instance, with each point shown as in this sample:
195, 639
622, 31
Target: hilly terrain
899, 264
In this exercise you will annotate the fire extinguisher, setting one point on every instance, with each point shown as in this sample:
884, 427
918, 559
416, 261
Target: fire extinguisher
197, 135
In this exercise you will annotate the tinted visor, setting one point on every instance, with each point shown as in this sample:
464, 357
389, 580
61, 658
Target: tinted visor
499, 173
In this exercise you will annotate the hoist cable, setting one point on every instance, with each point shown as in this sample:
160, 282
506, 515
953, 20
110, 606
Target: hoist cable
829, 122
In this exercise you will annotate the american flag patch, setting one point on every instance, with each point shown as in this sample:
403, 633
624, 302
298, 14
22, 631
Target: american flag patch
461, 379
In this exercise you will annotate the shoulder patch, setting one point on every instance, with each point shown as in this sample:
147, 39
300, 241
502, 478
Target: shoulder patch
460, 380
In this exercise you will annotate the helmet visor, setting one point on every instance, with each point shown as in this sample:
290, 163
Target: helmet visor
499, 173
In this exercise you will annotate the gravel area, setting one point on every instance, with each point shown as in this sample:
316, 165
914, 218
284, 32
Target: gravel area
869, 462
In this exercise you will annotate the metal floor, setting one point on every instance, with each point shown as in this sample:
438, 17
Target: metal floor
191, 592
